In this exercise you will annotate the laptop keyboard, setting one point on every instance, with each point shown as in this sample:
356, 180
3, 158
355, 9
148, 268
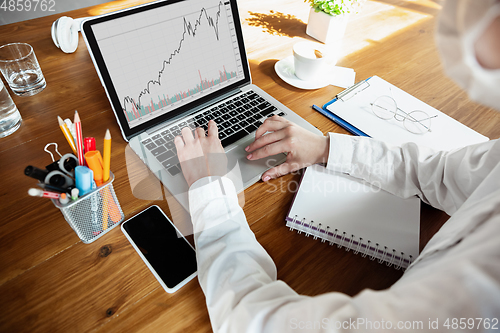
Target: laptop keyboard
235, 119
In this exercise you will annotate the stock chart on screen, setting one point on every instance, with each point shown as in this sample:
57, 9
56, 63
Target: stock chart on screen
161, 58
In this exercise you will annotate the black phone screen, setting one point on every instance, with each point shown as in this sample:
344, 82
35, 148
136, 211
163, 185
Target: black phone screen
170, 255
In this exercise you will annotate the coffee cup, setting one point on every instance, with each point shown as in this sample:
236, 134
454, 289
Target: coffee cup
310, 60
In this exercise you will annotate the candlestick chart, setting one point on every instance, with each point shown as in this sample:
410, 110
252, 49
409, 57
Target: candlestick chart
161, 60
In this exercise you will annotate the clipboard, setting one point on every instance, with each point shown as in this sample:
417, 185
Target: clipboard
351, 110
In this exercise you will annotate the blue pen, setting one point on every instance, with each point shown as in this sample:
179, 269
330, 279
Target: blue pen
339, 121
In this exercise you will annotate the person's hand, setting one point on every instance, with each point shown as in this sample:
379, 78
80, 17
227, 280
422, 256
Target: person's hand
303, 147
201, 155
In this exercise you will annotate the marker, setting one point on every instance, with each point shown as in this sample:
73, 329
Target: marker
67, 134
36, 173
69, 123
83, 179
106, 156
74, 194
79, 139
63, 199
35, 192
53, 188
94, 161
89, 144
55, 178
71, 127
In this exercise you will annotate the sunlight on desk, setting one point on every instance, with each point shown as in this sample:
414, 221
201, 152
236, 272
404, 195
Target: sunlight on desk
283, 28
113, 6
376, 21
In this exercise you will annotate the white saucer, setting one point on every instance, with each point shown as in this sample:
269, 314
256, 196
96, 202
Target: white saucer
286, 71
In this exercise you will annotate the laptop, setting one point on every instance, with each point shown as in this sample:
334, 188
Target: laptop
170, 64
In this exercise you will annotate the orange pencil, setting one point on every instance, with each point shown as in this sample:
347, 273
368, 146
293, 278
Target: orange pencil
67, 134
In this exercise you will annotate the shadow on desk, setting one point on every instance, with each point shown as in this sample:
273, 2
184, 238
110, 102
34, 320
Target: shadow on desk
278, 24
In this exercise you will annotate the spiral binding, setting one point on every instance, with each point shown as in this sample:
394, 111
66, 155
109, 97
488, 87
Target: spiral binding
359, 245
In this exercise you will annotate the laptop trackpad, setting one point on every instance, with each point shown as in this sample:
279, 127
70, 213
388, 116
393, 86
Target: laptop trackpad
252, 170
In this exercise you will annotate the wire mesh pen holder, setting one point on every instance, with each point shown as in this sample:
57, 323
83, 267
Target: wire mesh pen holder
93, 214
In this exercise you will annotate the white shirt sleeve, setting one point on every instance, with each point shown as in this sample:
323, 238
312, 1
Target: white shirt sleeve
442, 179
235, 272
458, 280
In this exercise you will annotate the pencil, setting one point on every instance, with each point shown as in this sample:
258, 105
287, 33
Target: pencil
79, 139
106, 156
67, 134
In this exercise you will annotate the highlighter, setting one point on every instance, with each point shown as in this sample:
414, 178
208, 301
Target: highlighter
94, 161
83, 179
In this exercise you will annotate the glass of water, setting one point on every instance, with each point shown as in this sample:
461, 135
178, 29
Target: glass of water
21, 70
10, 118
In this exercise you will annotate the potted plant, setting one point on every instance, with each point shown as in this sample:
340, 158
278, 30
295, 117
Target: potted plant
328, 18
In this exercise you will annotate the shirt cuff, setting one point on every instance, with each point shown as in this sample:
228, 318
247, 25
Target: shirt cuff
212, 200
341, 152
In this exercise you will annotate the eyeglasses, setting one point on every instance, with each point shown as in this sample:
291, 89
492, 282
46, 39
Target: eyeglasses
416, 122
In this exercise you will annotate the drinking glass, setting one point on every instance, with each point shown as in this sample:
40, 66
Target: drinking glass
21, 70
10, 118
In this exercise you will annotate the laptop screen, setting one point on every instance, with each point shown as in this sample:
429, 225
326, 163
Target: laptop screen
162, 59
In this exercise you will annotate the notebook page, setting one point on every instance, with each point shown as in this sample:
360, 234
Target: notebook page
357, 208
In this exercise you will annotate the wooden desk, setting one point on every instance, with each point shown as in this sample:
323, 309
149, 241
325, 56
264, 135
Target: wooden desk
52, 282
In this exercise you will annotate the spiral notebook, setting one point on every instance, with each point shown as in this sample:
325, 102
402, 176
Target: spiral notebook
353, 214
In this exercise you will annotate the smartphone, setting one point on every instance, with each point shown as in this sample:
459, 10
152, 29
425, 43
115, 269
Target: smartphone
166, 252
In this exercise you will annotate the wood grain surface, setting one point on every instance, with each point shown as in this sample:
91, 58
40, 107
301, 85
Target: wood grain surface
52, 282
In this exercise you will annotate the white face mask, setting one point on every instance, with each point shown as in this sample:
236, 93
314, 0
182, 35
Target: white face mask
460, 25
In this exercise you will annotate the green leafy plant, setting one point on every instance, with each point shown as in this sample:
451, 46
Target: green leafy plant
335, 7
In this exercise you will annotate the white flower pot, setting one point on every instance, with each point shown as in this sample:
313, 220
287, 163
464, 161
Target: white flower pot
326, 28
